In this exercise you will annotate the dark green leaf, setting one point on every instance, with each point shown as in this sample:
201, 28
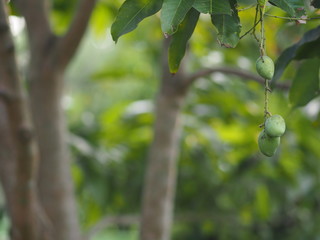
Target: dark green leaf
228, 26
131, 13
180, 39
173, 13
305, 85
309, 50
308, 42
283, 61
212, 6
316, 3
295, 8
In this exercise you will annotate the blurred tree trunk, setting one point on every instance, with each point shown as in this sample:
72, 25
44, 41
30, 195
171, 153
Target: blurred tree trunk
161, 172
55, 185
18, 150
49, 57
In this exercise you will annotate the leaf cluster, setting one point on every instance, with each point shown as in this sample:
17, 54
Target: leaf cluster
179, 19
306, 83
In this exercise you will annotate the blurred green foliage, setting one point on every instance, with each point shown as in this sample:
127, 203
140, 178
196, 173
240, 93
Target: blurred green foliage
226, 188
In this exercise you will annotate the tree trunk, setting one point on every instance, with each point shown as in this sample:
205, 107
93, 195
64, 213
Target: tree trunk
50, 55
55, 185
161, 172
7, 161
18, 149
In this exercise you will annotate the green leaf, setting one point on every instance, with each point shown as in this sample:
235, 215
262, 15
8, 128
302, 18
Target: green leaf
173, 13
307, 50
305, 85
316, 3
228, 26
301, 50
295, 8
180, 39
131, 13
212, 6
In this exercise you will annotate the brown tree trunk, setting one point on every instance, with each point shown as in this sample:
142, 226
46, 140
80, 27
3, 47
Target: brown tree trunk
49, 57
161, 172
55, 185
18, 150
21, 188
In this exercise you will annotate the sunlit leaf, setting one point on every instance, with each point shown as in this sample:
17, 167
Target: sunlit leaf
173, 13
131, 13
305, 85
212, 6
180, 39
228, 26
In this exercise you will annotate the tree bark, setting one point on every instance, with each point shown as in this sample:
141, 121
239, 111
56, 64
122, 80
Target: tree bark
50, 56
18, 150
161, 172
55, 185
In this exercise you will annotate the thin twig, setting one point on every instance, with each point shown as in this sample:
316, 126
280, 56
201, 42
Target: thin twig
266, 100
246, 8
251, 29
262, 38
256, 23
292, 18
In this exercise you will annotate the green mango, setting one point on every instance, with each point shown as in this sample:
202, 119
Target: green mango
268, 145
275, 126
265, 67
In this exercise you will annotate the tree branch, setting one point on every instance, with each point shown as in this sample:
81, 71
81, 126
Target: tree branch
69, 43
245, 75
36, 15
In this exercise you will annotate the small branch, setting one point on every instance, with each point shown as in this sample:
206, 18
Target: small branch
292, 18
243, 74
251, 29
266, 99
246, 8
69, 43
256, 23
262, 45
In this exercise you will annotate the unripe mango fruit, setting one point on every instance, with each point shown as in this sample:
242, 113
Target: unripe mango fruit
268, 145
275, 126
265, 67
